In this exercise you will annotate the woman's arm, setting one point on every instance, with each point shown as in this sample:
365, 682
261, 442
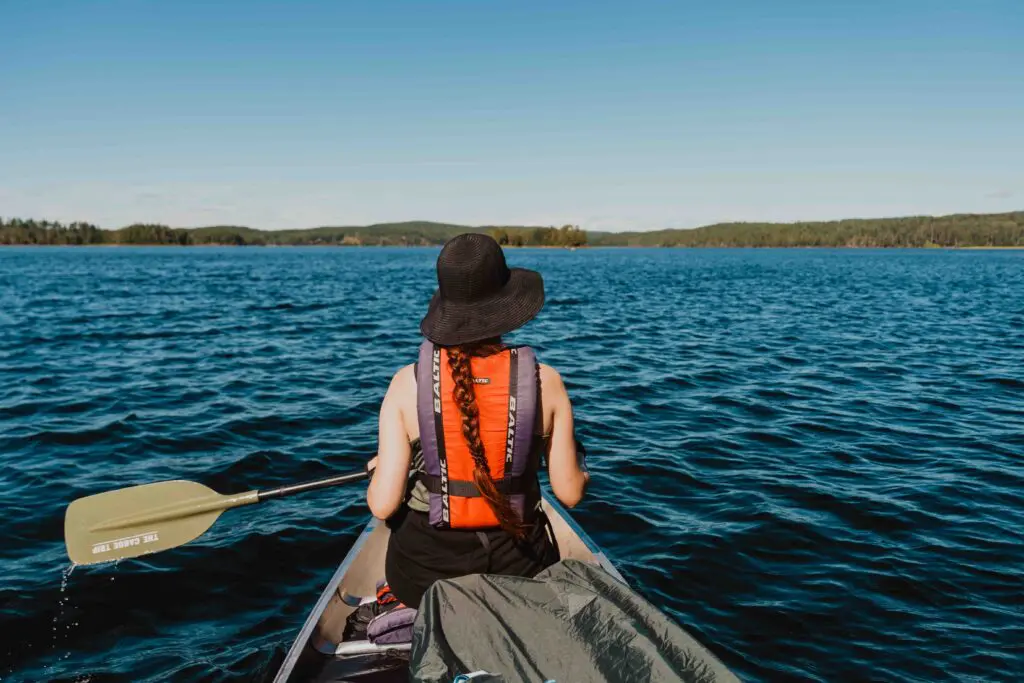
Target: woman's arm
568, 480
391, 472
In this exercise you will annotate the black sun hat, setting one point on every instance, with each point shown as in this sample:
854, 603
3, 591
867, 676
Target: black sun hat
478, 295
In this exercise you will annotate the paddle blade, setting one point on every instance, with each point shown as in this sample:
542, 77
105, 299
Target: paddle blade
140, 520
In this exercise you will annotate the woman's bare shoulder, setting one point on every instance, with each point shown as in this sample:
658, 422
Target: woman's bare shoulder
550, 381
402, 387
404, 379
400, 398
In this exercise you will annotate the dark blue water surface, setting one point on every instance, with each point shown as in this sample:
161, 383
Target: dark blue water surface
812, 460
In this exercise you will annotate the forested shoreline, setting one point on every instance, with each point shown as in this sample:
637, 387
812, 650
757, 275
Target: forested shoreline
418, 233
958, 230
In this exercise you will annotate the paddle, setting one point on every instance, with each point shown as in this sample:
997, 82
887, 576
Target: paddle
152, 517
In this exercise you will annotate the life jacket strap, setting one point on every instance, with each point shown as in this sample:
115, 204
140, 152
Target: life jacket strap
467, 489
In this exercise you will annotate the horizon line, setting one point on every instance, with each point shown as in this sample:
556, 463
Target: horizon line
484, 226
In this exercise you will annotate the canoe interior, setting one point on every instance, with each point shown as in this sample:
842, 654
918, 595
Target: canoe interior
368, 567
357, 577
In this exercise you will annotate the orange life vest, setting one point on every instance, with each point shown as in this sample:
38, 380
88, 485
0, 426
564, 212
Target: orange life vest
505, 389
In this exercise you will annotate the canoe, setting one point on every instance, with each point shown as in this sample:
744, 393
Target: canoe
318, 654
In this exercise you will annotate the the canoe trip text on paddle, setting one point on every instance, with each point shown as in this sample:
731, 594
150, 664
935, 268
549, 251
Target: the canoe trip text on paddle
128, 541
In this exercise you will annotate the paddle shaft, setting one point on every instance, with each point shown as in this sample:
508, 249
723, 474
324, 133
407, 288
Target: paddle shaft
218, 503
283, 491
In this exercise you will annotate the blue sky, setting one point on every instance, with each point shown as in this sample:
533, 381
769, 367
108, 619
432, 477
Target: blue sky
628, 115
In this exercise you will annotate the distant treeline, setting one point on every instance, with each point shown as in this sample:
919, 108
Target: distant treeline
961, 230
419, 233
566, 236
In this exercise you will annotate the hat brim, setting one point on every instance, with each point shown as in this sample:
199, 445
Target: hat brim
449, 323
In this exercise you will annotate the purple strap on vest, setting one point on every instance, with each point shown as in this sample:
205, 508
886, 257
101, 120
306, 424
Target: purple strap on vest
523, 408
525, 401
428, 411
523, 388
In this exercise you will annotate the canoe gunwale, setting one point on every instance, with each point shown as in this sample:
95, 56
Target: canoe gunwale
600, 558
306, 633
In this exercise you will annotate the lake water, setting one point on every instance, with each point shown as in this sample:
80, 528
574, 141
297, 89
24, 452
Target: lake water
813, 460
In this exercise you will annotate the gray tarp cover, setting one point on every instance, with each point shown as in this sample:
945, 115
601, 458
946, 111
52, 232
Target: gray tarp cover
573, 623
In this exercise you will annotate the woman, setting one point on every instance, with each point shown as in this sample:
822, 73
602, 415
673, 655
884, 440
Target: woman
468, 424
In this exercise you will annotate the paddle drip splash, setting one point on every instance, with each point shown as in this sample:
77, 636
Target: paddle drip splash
63, 600
61, 604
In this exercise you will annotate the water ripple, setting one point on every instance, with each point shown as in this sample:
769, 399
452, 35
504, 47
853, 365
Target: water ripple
811, 459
